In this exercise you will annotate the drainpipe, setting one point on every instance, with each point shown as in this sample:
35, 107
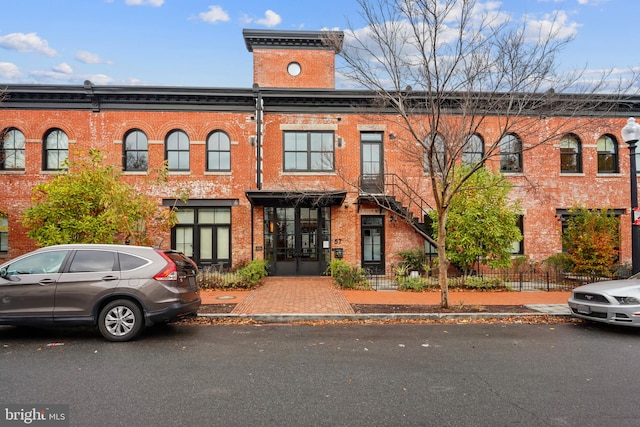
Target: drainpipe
259, 112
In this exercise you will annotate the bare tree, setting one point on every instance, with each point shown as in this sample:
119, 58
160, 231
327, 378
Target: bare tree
452, 69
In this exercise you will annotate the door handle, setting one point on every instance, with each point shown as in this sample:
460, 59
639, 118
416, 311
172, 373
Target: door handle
46, 282
109, 278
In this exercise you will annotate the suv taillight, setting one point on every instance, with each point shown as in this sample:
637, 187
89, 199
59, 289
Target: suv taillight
170, 272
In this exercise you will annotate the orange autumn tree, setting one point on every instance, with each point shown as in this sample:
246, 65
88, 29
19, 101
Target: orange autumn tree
591, 239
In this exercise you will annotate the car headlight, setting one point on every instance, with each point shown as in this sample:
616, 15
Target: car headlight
628, 300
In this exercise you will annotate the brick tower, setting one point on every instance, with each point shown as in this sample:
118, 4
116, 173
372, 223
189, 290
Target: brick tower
294, 59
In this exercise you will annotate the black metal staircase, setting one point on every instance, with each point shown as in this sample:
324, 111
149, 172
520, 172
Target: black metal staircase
394, 194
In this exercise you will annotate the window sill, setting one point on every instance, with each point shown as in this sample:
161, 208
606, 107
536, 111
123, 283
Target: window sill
572, 174
134, 173
217, 173
12, 172
309, 173
52, 172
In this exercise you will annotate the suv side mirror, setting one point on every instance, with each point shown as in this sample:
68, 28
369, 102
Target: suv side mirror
3, 272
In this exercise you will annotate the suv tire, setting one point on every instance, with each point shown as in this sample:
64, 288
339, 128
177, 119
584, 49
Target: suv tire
120, 320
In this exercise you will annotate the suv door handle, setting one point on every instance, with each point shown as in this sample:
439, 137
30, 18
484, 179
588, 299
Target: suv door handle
109, 278
46, 281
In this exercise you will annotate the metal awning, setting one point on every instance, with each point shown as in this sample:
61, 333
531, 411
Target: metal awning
313, 199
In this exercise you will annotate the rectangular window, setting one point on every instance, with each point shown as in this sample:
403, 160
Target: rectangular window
517, 248
204, 234
4, 233
308, 151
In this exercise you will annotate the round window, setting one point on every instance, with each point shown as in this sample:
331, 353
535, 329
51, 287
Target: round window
294, 69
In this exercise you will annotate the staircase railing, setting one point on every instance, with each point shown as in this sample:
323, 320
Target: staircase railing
397, 196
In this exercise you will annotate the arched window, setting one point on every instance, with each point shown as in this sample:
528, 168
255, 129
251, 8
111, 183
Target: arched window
56, 150
218, 151
135, 151
473, 149
607, 154
570, 154
12, 150
435, 147
177, 151
510, 154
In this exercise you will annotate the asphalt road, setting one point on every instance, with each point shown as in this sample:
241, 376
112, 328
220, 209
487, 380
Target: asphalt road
332, 375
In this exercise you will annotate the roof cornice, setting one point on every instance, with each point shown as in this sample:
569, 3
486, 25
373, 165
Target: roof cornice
269, 39
275, 100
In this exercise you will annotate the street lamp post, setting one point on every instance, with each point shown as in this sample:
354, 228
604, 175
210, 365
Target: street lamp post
631, 135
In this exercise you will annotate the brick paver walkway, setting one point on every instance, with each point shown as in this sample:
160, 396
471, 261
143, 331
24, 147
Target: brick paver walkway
286, 295
312, 295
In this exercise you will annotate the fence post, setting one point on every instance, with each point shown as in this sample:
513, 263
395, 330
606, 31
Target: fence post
548, 282
520, 274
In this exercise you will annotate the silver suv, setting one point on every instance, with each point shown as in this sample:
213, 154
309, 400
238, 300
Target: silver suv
118, 288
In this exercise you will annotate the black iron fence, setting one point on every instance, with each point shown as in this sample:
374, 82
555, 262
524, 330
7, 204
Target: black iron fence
499, 279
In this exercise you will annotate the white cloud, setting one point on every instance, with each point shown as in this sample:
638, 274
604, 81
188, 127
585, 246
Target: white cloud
90, 58
271, 19
30, 42
215, 14
9, 71
63, 73
556, 23
154, 3
63, 68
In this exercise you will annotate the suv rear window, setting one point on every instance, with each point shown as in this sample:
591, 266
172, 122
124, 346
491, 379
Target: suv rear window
131, 262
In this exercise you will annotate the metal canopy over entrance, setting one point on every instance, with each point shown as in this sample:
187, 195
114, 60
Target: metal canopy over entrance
297, 230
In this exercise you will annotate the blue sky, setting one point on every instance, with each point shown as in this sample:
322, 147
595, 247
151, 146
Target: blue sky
199, 42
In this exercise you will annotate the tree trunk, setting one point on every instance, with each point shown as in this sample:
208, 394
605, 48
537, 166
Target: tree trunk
443, 262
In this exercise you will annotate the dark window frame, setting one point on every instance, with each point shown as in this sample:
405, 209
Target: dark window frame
4, 233
195, 228
511, 154
571, 158
520, 225
215, 152
47, 149
469, 156
174, 149
138, 154
440, 148
309, 152
13, 151
608, 161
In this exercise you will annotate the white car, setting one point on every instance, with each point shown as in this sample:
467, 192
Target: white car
616, 302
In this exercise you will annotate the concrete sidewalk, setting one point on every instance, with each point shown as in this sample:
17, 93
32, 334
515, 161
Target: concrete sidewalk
318, 298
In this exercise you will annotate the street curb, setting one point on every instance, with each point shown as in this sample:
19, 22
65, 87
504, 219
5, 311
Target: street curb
314, 317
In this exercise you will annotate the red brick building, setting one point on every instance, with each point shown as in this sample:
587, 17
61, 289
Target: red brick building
288, 169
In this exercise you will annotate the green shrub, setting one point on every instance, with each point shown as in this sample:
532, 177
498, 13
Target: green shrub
482, 283
414, 283
246, 276
560, 261
413, 259
347, 276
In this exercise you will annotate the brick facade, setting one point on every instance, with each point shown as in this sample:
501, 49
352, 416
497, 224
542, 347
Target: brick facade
100, 117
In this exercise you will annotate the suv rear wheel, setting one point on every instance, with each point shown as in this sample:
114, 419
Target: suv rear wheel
120, 320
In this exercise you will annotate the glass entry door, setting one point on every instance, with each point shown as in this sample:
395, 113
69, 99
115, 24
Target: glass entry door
372, 230
293, 241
